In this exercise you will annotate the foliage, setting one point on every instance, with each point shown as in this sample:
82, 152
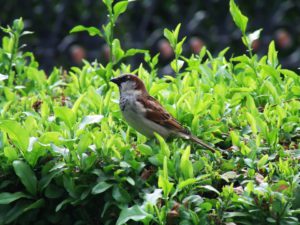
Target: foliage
143, 24
68, 157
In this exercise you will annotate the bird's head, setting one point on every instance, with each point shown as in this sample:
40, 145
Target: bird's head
129, 83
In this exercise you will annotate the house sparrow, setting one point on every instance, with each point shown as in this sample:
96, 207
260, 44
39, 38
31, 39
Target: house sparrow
145, 114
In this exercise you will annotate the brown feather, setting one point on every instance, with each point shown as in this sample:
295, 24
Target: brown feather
156, 113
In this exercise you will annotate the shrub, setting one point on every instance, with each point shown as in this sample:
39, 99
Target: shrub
68, 157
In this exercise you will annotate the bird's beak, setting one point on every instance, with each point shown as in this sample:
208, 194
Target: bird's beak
115, 80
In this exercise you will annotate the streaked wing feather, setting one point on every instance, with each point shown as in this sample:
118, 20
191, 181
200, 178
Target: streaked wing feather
156, 113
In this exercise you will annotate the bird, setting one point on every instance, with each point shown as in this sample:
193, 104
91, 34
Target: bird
146, 115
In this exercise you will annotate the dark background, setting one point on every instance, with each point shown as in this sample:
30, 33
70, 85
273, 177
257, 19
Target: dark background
203, 22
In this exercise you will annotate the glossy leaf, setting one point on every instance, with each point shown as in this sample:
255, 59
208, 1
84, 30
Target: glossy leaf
101, 187
135, 213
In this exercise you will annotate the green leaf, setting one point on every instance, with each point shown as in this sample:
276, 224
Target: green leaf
186, 165
16, 133
91, 30
176, 31
178, 48
235, 138
120, 194
134, 51
35, 205
66, 115
107, 31
84, 142
252, 122
272, 55
61, 204
120, 8
163, 179
262, 161
117, 51
108, 3
101, 187
272, 90
183, 184
235, 214
170, 37
176, 65
145, 149
6, 197
15, 212
11, 153
69, 185
229, 175
60, 150
163, 145
239, 19
135, 213
26, 175
90, 120
78, 102
210, 188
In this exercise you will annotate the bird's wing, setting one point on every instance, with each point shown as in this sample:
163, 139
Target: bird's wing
156, 113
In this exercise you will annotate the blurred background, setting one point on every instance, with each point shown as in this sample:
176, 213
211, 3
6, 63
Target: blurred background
203, 22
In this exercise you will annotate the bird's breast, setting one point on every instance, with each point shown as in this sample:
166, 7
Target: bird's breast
134, 113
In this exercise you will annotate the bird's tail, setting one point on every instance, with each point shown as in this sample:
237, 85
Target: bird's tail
202, 143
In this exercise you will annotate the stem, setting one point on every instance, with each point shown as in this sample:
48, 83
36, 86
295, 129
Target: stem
111, 38
250, 50
15, 38
157, 212
248, 45
177, 70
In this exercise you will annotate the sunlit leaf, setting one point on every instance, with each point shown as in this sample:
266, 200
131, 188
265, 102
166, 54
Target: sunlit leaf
119, 8
16, 132
239, 19
135, 213
91, 30
90, 120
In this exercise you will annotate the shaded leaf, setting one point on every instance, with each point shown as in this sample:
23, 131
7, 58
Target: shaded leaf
6, 197
101, 187
26, 175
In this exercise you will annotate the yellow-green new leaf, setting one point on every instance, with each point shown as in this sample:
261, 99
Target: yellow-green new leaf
66, 115
186, 166
239, 19
16, 133
163, 145
120, 8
